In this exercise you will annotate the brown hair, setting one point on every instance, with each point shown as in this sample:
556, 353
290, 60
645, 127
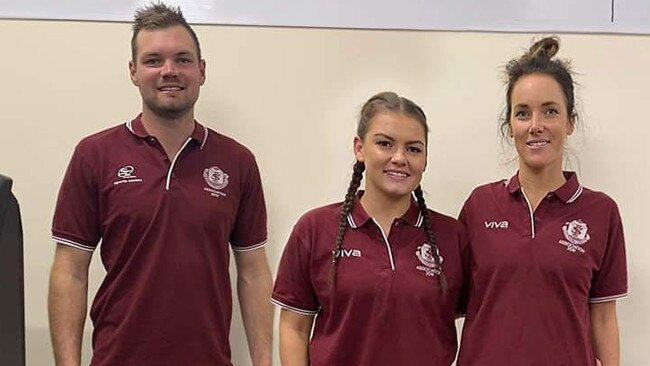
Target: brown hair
159, 16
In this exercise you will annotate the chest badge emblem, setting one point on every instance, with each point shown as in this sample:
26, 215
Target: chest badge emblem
426, 257
215, 178
576, 234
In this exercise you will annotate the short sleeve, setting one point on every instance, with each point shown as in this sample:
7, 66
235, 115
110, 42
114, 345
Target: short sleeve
293, 289
610, 279
250, 231
76, 215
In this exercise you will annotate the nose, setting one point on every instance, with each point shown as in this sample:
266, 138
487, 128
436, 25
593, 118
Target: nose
536, 124
168, 69
399, 157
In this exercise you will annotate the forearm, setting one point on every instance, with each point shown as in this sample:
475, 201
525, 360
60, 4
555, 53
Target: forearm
605, 335
67, 313
257, 315
294, 346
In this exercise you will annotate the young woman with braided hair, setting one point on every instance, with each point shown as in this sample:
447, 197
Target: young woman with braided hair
380, 272
548, 255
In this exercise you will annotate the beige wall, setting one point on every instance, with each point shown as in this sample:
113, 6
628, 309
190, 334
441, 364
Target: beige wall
291, 95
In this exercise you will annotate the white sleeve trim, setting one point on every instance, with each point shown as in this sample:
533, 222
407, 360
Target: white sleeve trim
73, 244
294, 309
248, 248
596, 300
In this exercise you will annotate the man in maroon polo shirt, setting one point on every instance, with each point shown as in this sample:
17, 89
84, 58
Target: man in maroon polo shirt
165, 196
387, 307
534, 275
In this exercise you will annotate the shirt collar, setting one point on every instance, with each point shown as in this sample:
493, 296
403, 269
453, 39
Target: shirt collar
568, 192
359, 217
199, 135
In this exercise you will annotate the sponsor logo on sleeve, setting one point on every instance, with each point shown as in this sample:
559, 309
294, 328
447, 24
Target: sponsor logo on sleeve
127, 175
576, 234
425, 254
216, 179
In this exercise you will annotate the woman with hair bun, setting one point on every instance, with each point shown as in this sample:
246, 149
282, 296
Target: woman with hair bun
548, 254
380, 272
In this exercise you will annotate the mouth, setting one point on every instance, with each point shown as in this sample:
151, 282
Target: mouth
397, 174
537, 143
170, 88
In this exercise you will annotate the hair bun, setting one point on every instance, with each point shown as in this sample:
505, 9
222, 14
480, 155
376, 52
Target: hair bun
544, 48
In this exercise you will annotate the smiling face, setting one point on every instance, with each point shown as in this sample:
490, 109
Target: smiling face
539, 123
394, 153
168, 71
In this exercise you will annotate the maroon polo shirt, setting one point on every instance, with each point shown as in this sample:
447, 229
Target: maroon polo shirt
534, 274
164, 227
387, 307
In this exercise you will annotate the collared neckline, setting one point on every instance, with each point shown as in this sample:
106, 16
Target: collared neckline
358, 216
199, 135
568, 192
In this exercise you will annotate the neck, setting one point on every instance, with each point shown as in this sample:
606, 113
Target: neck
384, 209
170, 132
538, 183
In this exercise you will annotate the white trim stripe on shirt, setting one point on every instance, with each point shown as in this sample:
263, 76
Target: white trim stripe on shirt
205, 137
291, 308
420, 220
129, 125
597, 300
171, 167
575, 195
388, 248
531, 213
351, 222
248, 248
71, 243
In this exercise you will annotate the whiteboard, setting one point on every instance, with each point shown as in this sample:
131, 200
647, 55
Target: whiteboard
594, 16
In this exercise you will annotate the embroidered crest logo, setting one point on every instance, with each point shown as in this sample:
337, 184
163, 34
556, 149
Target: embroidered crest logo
217, 179
576, 234
426, 257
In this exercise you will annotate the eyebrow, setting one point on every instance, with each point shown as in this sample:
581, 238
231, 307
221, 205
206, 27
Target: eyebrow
545, 104
155, 54
392, 139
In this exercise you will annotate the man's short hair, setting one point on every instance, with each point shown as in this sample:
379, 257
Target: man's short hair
159, 16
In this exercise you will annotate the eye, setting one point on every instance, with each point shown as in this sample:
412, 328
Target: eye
184, 60
151, 61
414, 150
551, 112
384, 144
522, 115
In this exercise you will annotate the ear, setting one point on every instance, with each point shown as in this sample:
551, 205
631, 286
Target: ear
572, 126
510, 134
202, 70
358, 148
134, 80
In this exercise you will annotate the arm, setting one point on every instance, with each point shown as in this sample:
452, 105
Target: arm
254, 289
67, 300
294, 338
604, 330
